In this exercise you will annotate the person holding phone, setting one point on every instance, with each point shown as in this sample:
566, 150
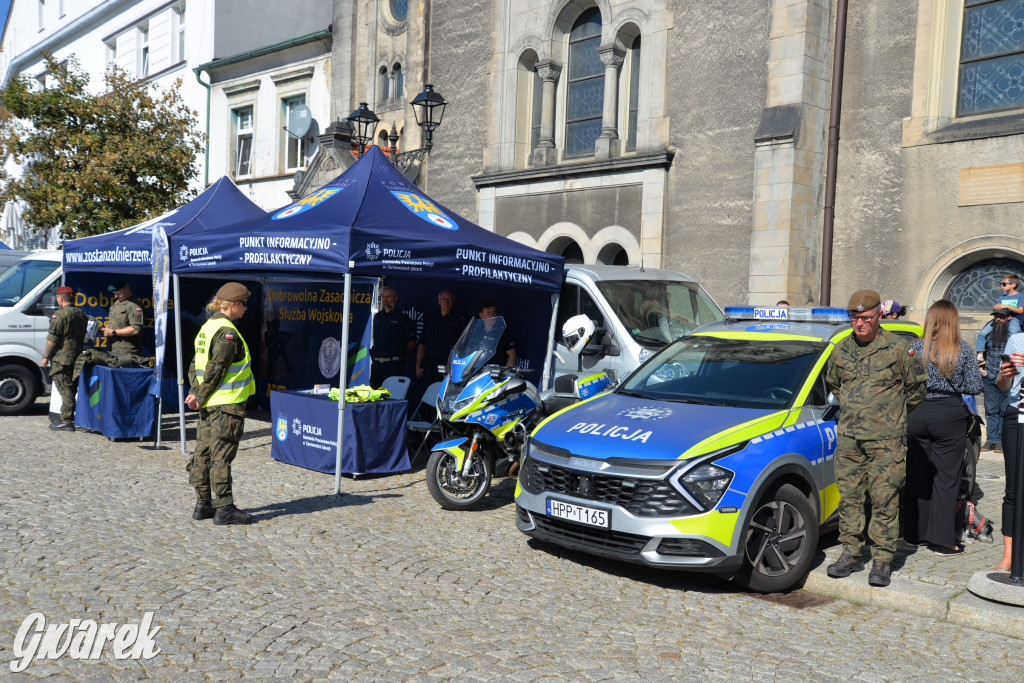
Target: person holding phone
990, 343
1010, 373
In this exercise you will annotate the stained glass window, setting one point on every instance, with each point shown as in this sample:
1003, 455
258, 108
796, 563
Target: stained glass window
399, 9
991, 57
978, 286
585, 96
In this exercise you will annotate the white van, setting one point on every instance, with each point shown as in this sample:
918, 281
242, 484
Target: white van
636, 311
8, 257
27, 300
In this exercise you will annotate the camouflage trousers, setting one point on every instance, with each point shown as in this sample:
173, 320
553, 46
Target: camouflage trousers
67, 388
209, 471
874, 468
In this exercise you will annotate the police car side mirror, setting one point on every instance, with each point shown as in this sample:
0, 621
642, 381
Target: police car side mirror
832, 400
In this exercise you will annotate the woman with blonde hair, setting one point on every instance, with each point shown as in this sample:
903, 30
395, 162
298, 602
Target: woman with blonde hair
938, 431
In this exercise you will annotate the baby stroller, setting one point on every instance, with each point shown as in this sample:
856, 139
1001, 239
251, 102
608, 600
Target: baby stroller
972, 525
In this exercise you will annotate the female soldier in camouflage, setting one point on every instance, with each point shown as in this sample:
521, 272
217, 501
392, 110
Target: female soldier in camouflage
221, 381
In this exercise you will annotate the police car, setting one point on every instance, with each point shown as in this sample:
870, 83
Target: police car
716, 455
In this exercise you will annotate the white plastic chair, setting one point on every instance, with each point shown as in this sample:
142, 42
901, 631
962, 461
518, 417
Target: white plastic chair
398, 386
419, 425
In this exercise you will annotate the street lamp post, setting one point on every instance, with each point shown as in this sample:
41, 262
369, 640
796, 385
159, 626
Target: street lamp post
364, 122
428, 107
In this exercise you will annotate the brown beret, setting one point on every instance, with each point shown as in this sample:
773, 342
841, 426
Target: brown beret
863, 300
233, 291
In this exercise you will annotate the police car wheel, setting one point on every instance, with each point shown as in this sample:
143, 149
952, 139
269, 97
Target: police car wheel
17, 389
781, 540
450, 488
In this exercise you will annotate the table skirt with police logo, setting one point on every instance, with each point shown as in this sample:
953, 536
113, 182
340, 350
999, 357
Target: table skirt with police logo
305, 433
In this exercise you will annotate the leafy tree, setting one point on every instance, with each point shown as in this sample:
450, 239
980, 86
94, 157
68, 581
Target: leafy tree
95, 163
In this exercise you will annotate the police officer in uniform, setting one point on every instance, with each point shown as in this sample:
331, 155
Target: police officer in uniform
441, 331
123, 332
394, 338
878, 379
221, 381
63, 345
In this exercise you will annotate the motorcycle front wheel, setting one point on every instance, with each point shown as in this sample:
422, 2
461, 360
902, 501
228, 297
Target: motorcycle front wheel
450, 488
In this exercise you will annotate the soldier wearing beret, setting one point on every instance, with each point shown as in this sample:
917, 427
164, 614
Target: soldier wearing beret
123, 332
221, 381
63, 345
878, 379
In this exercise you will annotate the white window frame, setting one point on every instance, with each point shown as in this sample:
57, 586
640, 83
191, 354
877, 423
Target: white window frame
142, 35
293, 147
243, 135
41, 16
178, 37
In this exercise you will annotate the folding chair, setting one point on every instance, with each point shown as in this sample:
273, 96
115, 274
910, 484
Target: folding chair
398, 386
419, 425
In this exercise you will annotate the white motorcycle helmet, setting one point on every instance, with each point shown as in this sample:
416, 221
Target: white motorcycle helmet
576, 333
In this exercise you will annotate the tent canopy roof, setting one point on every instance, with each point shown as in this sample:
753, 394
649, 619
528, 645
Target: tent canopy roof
130, 250
372, 221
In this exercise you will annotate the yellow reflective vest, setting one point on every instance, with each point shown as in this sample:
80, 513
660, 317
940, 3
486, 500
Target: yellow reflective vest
238, 383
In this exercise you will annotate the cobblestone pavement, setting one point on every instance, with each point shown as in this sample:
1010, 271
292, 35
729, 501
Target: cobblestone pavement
380, 584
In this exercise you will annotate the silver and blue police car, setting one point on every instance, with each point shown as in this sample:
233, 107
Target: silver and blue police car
716, 455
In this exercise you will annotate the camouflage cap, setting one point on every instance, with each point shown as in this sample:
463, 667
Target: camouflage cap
863, 300
233, 291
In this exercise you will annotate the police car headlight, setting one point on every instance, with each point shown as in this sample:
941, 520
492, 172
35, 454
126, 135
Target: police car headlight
706, 484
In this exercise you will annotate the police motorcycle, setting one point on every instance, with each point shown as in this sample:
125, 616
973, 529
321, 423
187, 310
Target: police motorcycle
487, 410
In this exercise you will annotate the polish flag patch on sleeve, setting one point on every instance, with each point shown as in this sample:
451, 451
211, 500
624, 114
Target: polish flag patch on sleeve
911, 352
229, 336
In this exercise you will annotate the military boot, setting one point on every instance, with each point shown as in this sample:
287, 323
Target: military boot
844, 566
879, 575
229, 514
203, 510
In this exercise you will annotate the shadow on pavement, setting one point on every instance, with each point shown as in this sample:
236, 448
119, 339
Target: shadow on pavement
304, 506
663, 578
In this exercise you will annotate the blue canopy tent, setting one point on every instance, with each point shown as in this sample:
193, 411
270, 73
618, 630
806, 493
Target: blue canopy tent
129, 252
369, 221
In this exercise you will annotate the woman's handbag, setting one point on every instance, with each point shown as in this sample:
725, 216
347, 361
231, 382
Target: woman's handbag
974, 420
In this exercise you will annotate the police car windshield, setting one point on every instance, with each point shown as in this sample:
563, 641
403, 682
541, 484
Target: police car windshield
17, 281
658, 311
739, 373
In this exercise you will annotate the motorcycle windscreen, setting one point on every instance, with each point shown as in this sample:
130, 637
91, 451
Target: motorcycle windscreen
475, 347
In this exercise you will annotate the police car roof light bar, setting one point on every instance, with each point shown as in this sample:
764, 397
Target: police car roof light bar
820, 314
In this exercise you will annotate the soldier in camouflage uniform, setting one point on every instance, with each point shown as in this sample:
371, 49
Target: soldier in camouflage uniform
63, 345
123, 330
878, 379
221, 381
